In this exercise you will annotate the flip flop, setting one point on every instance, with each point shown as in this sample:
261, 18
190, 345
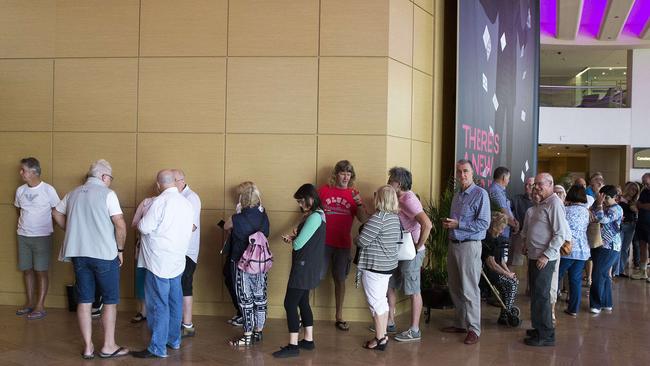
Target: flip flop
36, 315
341, 325
114, 354
23, 311
88, 357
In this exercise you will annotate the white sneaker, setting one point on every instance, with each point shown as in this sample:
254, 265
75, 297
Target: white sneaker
594, 311
647, 280
639, 275
607, 309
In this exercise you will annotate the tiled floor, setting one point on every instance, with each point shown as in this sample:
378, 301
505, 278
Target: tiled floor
619, 338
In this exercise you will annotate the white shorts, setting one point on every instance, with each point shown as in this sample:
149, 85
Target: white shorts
375, 285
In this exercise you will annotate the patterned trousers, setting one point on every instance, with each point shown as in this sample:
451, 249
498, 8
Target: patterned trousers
252, 299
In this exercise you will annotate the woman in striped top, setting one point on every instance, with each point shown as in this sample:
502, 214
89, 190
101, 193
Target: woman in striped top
378, 243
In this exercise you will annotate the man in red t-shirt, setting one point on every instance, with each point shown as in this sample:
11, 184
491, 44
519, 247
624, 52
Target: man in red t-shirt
342, 203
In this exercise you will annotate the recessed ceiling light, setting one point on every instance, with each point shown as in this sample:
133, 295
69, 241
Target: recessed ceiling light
610, 69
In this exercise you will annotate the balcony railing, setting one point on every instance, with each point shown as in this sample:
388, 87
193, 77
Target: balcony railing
583, 96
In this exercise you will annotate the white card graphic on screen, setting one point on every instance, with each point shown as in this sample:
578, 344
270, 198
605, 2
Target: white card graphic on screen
523, 48
495, 102
491, 130
485, 83
523, 177
523, 77
503, 41
527, 167
486, 42
523, 116
528, 20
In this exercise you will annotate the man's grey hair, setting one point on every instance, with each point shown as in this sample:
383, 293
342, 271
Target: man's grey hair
546, 177
465, 161
178, 173
99, 168
32, 164
401, 176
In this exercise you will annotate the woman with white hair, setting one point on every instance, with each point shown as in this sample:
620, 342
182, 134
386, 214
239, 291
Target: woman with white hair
378, 243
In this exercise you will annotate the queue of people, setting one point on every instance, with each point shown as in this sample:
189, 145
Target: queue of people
548, 224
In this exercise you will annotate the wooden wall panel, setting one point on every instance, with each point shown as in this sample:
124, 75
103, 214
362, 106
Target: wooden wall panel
183, 28
96, 94
26, 95
272, 94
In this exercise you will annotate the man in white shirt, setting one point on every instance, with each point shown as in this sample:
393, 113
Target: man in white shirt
95, 234
34, 201
192, 256
166, 231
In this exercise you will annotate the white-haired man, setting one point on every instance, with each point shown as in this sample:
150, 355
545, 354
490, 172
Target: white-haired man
95, 233
545, 230
192, 256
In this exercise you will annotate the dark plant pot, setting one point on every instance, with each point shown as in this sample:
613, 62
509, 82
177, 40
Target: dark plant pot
437, 297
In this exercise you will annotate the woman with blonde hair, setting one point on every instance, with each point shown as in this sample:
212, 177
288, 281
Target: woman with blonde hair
378, 243
250, 289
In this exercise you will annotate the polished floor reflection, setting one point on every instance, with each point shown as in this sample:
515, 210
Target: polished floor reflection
619, 338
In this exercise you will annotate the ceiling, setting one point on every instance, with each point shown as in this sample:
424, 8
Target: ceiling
568, 61
565, 151
617, 23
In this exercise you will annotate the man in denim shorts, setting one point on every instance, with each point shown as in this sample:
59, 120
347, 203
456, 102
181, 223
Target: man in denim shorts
95, 233
35, 200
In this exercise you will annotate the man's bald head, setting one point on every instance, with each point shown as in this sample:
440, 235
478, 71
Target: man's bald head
165, 179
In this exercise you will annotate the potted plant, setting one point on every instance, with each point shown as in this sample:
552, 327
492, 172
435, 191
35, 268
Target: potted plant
435, 291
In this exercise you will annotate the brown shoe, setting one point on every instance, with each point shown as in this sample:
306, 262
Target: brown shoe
471, 338
454, 330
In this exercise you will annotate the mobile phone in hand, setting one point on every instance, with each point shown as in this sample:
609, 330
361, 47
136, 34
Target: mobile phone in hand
221, 224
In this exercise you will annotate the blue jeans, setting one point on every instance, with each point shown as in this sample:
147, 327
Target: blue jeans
615, 265
627, 234
93, 274
164, 300
600, 294
574, 268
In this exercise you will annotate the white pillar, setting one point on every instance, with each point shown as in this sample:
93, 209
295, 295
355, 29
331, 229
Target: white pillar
640, 110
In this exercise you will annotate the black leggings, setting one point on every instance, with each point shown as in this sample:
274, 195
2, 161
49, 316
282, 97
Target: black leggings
229, 278
294, 299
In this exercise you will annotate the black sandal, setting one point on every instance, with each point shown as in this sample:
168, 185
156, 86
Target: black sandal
138, 318
341, 325
245, 341
379, 344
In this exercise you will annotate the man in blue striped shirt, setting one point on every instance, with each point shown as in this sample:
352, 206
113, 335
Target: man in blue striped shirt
467, 224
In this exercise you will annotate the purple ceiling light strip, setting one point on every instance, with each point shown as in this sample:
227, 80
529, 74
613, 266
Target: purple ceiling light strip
548, 17
593, 14
638, 18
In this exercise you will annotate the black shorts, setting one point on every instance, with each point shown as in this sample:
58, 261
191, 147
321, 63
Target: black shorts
188, 276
